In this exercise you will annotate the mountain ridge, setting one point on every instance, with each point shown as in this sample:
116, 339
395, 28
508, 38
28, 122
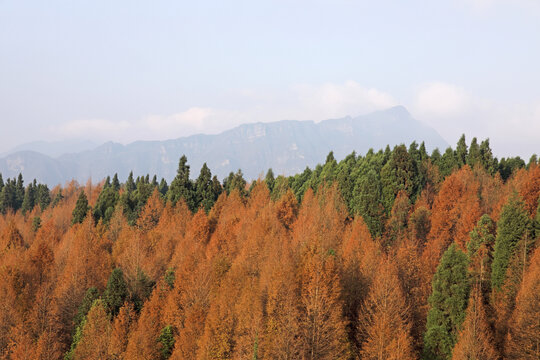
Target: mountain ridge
286, 146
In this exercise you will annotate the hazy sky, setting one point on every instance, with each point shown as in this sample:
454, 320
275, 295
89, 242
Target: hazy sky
131, 70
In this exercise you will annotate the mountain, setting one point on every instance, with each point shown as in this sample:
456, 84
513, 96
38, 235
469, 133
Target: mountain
285, 146
54, 148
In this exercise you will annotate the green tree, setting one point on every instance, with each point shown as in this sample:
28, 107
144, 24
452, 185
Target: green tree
367, 201
399, 173
182, 187
511, 227
270, 180
105, 204
448, 302
29, 198
89, 297
204, 192
116, 291
461, 151
479, 249
43, 196
166, 338
80, 210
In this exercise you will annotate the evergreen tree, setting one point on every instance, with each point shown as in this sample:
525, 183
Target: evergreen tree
43, 196
486, 157
270, 180
166, 338
474, 156
163, 187
182, 187
461, 151
81, 209
204, 194
116, 291
448, 302
105, 204
19, 192
90, 296
448, 162
366, 201
511, 227
29, 198
130, 184
399, 173
479, 248
115, 182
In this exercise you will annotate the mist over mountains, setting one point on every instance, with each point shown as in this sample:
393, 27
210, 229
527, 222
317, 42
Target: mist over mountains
285, 146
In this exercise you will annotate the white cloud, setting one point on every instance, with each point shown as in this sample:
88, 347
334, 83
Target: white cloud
513, 129
298, 102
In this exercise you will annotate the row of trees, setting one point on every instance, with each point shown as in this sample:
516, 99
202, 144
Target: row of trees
285, 268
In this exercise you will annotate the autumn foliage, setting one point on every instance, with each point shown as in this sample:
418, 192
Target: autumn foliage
276, 269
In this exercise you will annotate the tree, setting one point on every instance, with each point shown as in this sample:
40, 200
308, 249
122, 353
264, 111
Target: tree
80, 210
166, 338
91, 295
96, 333
204, 191
475, 338
510, 228
523, 340
105, 204
182, 187
120, 330
479, 250
322, 325
269, 180
461, 151
448, 302
384, 318
116, 292
367, 199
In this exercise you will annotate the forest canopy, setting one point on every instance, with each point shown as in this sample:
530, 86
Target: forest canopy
395, 254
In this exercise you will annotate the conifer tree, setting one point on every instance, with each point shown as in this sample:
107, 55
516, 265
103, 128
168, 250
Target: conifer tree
523, 340
269, 179
182, 187
461, 151
384, 318
475, 338
116, 292
479, 250
448, 302
96, 333
510, 228
80, 210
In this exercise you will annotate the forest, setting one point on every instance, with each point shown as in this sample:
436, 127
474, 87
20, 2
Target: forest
393, 254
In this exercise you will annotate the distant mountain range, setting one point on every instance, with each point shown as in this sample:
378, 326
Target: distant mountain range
285, 146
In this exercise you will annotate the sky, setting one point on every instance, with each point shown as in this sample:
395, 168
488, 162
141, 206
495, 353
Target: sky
153, 70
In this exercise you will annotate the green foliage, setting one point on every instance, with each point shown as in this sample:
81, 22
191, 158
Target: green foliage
80, 210
205, 194
510, 229
269, 180
90, 296
366, 201
182, 187
461, 151
170, 277
508, 166
116, 291
399, 173
75, 341
36, 223
448, 302
166, 338
57, 198
105, 204
141, 288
